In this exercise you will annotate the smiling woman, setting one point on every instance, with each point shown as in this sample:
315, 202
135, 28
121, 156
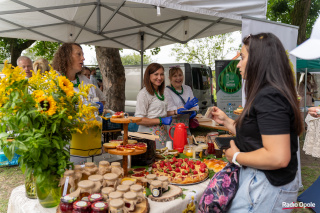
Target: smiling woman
68, 61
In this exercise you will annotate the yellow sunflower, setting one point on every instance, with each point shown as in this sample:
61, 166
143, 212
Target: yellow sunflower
47, 105
66, 85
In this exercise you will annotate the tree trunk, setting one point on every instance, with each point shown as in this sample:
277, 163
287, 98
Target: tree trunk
16, 49
113, 77
299, 18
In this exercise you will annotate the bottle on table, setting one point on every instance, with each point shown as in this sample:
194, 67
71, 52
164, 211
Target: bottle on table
229, 111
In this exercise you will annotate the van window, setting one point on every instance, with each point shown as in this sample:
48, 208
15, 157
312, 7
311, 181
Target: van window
200, 78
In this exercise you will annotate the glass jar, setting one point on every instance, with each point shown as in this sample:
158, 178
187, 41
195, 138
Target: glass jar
81, 207
84, 189
204, 149
95, 197
99, 207
117, 169
66, 204
106, 191
116, 206
97, 180
67, 183
210, 140
188, 150
150, 178
165, 183
130, 201
197, 152
115, 195
30, 186
104, 168
89, 169
123, 189
110, 179
128, 183
78, 170
156, 188
138, 189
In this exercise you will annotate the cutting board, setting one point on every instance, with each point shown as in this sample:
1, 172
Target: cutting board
173, 193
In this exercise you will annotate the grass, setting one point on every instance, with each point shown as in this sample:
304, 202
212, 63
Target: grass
11, 177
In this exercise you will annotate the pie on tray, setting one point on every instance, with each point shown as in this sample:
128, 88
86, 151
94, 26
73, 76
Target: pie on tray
132, 147
215, 164
181, 171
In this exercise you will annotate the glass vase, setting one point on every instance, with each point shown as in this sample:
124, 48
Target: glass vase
48, 191
30, 184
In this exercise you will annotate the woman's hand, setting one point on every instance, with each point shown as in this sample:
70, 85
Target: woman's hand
313, 111
230, 152
218, 115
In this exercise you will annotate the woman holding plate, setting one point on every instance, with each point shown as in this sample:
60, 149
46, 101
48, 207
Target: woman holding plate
180, 98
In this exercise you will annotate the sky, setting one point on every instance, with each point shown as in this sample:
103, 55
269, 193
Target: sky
163, 57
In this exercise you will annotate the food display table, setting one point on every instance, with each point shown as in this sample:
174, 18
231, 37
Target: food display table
19, 203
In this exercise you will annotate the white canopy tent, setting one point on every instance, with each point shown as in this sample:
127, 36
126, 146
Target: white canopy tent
129, 24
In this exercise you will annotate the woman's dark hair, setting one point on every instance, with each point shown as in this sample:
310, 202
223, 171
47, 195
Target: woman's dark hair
152, 68
62, 59
268, 64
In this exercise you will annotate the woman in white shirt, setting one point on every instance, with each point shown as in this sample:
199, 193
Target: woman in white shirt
68, 61
180, 97
152, 105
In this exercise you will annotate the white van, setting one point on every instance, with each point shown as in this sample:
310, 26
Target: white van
197, 76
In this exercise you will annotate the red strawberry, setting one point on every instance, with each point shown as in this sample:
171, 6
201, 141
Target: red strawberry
203, 165
186, 159
198, 162
173, 174
166, 171
184, 172
169, 168
174, 159
180, 160
190, 162
195, 172
192, 166
178, 164
167, 163
161, 164
171, 162
183, 166
177, 170
203, 170
154, 165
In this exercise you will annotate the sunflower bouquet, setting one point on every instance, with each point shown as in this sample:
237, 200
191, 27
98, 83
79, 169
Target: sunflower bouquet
41, 114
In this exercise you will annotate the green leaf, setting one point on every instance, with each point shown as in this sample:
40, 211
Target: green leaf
53, 127
148, 192
56, 143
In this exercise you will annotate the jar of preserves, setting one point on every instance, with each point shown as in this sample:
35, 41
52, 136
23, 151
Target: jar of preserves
89, 169
165, 182
130, 201
138, 189
111, 180
81, 207
188, 150
104, 168
95, 197
97, 180
116, 206
150, 178
66, 204
85, 188
106, 191
99, 207
117, 169
123, 189
156, 188
128, 183
67, 183
115, 195
78, 170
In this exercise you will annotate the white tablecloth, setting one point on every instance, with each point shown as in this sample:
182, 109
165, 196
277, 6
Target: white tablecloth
312, 141
19, 203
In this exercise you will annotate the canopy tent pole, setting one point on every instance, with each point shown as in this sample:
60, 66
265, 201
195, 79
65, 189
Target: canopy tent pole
305, 102
141, 54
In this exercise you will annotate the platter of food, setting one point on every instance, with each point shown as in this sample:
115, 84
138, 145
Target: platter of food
181, 171
238, 111
129, 149
165, 152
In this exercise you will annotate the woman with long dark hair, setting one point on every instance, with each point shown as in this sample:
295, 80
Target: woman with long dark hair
267, 130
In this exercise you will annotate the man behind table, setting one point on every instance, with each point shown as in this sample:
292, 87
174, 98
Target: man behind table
26, 64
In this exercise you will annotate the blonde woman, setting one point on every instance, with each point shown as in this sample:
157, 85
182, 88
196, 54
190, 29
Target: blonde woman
41, 65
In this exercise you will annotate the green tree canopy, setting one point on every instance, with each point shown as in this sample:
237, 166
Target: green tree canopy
135, 59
